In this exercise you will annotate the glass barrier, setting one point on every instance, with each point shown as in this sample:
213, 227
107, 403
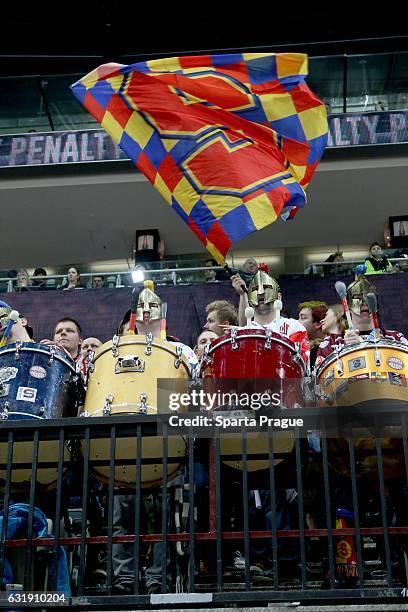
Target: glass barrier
346, 83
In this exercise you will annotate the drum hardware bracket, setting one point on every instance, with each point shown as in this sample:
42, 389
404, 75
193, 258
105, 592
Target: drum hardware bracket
19, 344
5, 412
130, 363
234, 343
41, 411
115, 342
4, 389
142, 405
84, 414
377, 357
268, 341
107, 407
149, 342
52, 354
179, 352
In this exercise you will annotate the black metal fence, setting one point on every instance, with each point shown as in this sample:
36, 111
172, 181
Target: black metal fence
319, 519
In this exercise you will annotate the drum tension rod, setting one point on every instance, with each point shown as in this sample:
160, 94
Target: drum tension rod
4, 414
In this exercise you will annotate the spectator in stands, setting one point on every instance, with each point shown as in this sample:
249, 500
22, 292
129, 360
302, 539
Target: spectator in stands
214, 275
249, 269
40, 282
67, 335
98, 282
206, 337
23, 280
377, 263
220, 313
74, 279
336, 270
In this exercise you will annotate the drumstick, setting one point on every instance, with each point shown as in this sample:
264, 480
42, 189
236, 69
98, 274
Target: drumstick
133, 309
249, 315
342, 293
13, 318
163, 322
277, 305
372, 307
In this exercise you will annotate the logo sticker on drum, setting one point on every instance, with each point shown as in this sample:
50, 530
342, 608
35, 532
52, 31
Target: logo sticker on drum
7, 374
358, 363
37, 371
26, 394
395, 363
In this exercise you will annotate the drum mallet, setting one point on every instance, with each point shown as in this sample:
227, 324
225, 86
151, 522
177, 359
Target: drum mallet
342, 293
13, 318
133, 310
372, 307
277, 306
163, 320
249, 315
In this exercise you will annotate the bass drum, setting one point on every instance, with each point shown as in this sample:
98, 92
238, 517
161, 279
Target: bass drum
256, 361
364, 375
123, 379
36, 382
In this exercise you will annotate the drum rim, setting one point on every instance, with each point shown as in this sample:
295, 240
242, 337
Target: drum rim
257, 335
333, 357
59, 356
172, 352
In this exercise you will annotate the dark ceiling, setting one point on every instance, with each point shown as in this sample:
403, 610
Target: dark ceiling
116, 31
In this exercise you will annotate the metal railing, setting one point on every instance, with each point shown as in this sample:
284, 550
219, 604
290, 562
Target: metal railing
227, 515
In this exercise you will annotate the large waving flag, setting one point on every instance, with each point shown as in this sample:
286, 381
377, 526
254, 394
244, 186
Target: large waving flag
230, 141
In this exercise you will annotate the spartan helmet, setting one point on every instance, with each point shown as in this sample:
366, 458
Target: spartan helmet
357, 293
263, 285
5, 311
149, 302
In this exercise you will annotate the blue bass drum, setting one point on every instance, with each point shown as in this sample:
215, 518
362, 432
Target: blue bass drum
36, 382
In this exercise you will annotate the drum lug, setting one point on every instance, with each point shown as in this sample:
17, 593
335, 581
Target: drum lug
130, 363
4, 389
339, 368
268, 341
5, 412
149, 342
41, 411
19, 344
84, 414
52, 354
234, 343
142, 405
107, 407
179, 352
377, 357
115, 342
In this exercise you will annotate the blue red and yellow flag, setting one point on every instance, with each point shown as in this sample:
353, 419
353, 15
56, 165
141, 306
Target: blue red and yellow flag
230, 141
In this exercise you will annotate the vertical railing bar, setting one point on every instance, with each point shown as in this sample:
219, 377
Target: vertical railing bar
329, 526
164, 511
345, 82
218, 508
246, 508
191, 560
57, 527
138, 497
272, 484
82, 546
29, 549
111, 484
383, 503
405, 443
355, 506
10, 448
300, 507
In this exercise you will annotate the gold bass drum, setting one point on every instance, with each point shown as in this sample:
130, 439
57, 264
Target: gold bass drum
123, 379
364, 375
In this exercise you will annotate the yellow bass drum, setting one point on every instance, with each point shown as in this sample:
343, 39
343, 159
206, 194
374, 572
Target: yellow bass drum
123, 379
367, 374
